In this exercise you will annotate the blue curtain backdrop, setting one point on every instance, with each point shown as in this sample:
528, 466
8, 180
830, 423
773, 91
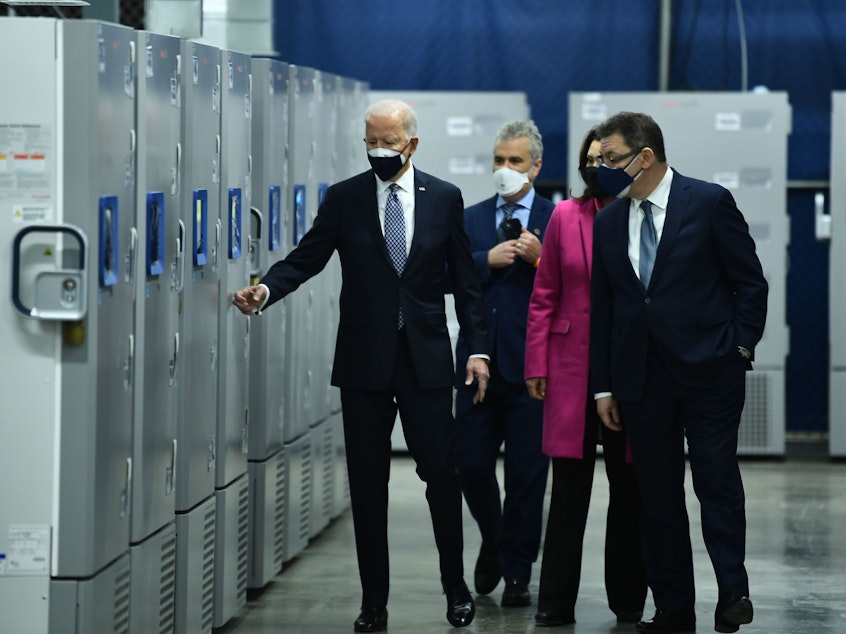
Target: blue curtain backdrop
548, 48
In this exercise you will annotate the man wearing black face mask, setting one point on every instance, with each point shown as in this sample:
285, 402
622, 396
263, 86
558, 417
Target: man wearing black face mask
557, 371
679, 302
399, 233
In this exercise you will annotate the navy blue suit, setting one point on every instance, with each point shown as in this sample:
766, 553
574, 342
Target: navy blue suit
381, 369
669, 355
508, 413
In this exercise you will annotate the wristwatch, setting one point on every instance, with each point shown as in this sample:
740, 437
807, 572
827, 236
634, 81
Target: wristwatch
744, 352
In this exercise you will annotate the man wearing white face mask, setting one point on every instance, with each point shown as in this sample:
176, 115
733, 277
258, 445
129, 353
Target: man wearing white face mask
505, 234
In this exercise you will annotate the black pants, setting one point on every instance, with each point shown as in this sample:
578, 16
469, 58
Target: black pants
707, 415
572, 480
428, 424
507, 415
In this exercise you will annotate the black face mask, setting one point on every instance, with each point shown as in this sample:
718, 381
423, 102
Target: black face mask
386, 167
595, 190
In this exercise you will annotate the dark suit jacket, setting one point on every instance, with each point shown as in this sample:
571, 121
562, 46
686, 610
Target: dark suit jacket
707, 294
506, 291
371, 293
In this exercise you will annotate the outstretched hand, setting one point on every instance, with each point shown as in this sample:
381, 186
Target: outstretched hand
249, 299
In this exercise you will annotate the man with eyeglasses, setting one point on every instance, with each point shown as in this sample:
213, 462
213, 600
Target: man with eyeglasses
679, 302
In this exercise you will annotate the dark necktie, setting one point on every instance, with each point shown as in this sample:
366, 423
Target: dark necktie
648, 244
395, 236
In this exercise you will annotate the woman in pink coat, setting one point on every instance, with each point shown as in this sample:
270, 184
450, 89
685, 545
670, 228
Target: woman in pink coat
557, 337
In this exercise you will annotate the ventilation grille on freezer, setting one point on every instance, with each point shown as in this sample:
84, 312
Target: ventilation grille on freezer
208, 569
243, 537
328, 471
122, 602
279, 512
167, 584
305, 495
761, 423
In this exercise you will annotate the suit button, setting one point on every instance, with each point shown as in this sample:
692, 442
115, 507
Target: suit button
647, 301
493, 311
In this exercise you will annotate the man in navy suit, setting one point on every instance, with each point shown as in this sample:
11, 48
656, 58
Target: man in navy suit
679, 302
505, 234
401, 239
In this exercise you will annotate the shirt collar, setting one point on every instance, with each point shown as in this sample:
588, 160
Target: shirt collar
660, 196
405, 182
526, 201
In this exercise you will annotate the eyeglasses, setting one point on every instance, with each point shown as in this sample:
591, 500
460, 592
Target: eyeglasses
610, 162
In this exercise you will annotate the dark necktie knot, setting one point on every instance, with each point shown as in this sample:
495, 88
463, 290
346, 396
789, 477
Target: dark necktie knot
508, 210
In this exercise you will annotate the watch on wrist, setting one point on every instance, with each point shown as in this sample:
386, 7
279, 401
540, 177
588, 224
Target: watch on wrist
744, 352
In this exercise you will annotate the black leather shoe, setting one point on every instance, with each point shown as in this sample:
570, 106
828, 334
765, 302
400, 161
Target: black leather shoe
516, 594
460, 606
669, 623
628, 617
732, 612
372, 620
487, 574
553, 618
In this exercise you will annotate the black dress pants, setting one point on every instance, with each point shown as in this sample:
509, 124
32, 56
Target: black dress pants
428, 424
708, 416
572, 480
508, 415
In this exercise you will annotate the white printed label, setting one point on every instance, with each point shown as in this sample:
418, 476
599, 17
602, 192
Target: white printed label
460, 126
29, 550
32, 214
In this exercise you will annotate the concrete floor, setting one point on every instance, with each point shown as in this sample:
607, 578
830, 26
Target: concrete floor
796, 558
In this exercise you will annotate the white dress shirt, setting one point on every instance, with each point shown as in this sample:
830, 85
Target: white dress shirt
659, 199
405, 193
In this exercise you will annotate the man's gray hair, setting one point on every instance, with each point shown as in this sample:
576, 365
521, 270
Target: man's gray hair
390, 106
521, 128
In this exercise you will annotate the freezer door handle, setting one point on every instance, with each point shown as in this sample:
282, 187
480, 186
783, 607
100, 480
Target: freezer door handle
60, 293
255, 245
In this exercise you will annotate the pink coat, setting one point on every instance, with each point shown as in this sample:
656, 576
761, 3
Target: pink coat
558, 328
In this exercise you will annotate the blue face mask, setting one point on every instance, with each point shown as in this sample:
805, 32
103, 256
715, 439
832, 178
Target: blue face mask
615, 180
594, 187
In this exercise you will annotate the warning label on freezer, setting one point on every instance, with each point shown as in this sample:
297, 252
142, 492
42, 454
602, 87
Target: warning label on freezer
30, 214
25, 159
28, 550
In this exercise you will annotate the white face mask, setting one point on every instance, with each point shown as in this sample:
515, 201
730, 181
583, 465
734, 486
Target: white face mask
508, 181
382, 152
